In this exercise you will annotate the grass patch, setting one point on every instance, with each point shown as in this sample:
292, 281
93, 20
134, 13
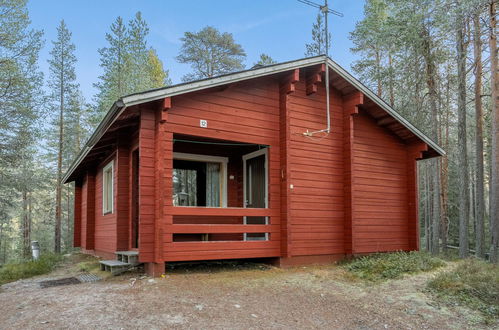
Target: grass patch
88, 266
474, 283
13, 272
384, 266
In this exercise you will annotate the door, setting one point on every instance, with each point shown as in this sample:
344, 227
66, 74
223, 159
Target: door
135, 199
255, 190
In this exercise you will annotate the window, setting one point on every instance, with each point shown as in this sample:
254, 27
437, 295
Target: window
199, 180
107, 188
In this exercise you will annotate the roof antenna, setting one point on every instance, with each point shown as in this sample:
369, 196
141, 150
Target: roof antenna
325, 10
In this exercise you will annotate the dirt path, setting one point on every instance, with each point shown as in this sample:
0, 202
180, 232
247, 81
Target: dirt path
311, 297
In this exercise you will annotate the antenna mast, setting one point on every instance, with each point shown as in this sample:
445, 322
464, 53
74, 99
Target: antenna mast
325, 10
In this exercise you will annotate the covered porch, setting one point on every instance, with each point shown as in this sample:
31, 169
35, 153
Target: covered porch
214, 198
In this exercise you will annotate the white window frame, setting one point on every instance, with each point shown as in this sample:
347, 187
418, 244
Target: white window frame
108, 209
209, 159
245, 182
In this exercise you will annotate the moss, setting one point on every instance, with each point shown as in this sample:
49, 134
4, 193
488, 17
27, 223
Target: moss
473, 283
384, 266
16, 271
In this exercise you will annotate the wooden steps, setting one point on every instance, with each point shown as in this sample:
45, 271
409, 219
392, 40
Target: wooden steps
125, 260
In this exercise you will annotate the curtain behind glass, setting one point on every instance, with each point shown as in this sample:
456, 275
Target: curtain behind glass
213, 185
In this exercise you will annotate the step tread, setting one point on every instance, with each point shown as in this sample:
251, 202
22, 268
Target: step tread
114, 263
128, 253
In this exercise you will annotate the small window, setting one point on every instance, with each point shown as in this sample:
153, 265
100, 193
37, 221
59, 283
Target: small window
107, 188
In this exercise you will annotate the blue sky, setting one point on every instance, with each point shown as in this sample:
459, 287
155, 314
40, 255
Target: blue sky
279, 28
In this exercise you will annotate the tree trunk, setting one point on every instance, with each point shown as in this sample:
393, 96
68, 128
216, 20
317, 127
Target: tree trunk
430, 73
390, 68
1, 237
445, 168
462, 148
494, 181
378, 73
480, 199
58, 193
25, 224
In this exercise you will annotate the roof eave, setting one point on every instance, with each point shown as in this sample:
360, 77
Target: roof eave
376, 99
138, 98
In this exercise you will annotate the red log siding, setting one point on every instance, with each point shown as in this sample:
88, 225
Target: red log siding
247, 112
134, 144
147, 179
354, 191
380, 217
316, 210
88, 214
105, 224
77, 214
84, 207
122, 197
284, 132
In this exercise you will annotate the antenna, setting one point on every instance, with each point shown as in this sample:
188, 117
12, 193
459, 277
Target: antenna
325, 10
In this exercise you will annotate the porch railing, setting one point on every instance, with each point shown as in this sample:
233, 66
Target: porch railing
230, 249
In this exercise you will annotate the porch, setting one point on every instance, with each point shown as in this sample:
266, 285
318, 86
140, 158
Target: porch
221, 201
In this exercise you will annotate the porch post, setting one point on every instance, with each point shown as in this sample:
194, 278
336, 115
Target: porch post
351, 104
122, 193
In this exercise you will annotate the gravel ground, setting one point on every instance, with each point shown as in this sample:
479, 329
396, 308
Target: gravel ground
237, 298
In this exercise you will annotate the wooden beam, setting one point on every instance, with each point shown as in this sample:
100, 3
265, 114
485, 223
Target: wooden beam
288, 83
314, 77
225, 229
351, 103
386, 121
165, 104
220, 211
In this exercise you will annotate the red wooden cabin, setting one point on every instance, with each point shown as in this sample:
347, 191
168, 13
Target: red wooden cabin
221, 169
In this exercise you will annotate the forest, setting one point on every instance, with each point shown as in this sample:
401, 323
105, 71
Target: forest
434, 61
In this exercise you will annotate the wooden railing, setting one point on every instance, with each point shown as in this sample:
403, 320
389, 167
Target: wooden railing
220, 211
206, 250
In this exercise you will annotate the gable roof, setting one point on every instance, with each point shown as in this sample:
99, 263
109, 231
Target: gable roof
124, 102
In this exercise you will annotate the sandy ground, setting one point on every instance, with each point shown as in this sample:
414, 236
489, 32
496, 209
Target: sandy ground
240, 298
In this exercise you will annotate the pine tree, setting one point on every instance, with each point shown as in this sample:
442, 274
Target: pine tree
20, 99
210, 53
370, 42
129, 64
63, 84
265, 60
463, 173
494, 180
114, 61
318, 44
479, 159
137, 55
20, 79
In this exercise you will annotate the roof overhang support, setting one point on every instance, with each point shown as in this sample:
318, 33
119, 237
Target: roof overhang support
289, 81
314, 78
165, 104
